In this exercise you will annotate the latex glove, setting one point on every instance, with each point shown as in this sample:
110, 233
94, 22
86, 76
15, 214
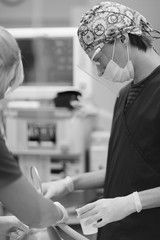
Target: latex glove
12, 226
107, 210
57, 188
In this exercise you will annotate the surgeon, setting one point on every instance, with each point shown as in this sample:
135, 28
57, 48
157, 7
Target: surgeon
16, 193
119, 41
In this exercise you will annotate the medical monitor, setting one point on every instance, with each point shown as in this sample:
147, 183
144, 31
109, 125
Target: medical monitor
50, 57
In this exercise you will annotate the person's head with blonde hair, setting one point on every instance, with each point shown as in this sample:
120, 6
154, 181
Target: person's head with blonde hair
11, 68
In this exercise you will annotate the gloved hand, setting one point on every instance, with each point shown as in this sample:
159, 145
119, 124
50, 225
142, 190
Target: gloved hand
57, 188
107, 210
11, 226
64, 212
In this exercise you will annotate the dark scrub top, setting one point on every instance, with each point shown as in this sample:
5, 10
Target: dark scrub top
134, 159
9, 169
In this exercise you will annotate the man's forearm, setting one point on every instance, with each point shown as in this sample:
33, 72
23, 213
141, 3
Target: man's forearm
150, 198
90, 180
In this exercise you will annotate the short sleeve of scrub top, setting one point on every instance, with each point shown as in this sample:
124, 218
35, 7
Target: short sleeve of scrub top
9, 168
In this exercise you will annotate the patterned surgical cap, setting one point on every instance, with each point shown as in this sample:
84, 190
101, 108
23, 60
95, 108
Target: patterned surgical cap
107, 21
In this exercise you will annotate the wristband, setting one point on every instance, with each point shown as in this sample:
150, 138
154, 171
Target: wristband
69, 184
137, 202
65, 214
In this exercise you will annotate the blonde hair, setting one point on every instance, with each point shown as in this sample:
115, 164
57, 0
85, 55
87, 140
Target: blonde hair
11, 68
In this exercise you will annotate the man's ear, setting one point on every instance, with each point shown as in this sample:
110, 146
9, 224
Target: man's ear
125, 39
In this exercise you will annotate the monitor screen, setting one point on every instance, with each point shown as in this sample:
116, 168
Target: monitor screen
47, 60
48, 56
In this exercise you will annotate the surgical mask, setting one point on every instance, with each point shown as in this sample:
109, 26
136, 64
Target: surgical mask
115, 73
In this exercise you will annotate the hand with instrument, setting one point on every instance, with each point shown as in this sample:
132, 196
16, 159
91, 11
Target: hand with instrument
10, 226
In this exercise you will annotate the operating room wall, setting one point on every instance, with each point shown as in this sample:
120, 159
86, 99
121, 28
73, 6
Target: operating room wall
68, 13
